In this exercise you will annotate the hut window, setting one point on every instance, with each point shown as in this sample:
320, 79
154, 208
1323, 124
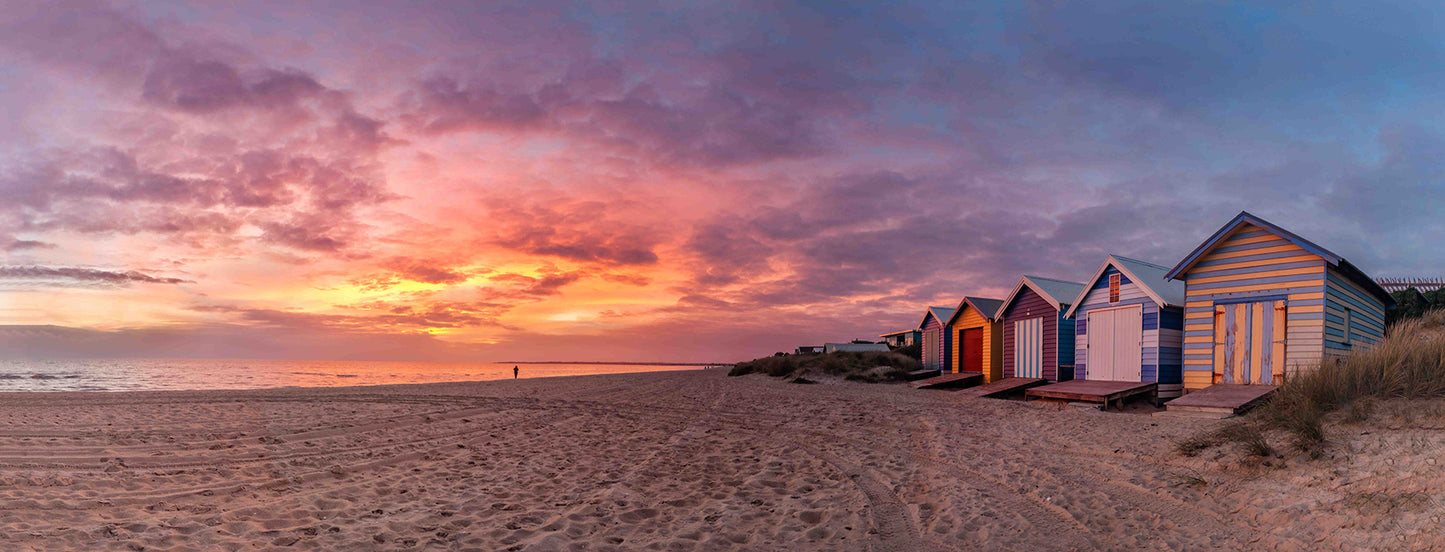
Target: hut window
1347, 327
1113, 288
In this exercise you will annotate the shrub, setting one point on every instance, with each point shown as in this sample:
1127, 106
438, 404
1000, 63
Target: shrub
914, 351
856, 366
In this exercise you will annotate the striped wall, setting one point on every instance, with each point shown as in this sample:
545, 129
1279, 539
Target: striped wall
1029, 305
1253, 264
1366, 316
935, 344
1163, 334
969, 319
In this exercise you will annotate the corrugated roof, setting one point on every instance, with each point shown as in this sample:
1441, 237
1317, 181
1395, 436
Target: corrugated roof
1156, 277
942, 313
1150, 278
891, 334
1059, 291
855, 347
987, 307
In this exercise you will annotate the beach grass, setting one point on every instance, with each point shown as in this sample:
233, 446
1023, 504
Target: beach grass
1408, 364
868, 366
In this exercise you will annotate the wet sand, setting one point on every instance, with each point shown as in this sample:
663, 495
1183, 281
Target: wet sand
680, 461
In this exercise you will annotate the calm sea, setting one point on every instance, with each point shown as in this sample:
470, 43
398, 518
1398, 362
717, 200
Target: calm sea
172, 374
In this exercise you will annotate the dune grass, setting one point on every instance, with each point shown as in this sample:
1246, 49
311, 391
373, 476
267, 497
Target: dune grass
871, 366
1408, 364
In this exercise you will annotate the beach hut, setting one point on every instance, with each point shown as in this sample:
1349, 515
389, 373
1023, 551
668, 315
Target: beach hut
1128, 325
936, 341
1262, 302
902, 338
977, 338
855, 347
1038, 342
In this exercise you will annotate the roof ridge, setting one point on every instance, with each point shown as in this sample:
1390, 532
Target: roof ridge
1032, 277
1121, 257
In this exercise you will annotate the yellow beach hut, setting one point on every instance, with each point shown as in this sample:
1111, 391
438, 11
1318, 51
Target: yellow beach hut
977, 338
1262, 302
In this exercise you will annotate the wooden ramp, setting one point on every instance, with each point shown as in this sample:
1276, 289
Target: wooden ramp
1221, 400
1003, 387
1105, 392
961, 379
922, 374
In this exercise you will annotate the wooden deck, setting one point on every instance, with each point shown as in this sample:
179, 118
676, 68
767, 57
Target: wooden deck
1003, 387
959, 380
1106, 392
1221, 399
922, 374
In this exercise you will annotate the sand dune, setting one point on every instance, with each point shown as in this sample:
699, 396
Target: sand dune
675, 461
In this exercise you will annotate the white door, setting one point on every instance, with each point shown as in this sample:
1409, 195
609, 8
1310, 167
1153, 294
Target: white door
1101, 346
1029, 348
1115, 345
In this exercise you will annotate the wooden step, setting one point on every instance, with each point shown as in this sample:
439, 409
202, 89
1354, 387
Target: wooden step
922, 374
946, 381
1003, 387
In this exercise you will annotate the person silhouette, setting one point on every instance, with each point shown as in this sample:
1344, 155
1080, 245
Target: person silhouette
515, 370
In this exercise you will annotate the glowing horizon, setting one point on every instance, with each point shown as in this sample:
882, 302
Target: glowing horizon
570, 181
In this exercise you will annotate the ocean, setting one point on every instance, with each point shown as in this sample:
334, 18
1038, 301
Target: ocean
196, 374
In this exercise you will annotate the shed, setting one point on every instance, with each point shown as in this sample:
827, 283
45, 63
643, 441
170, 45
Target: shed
1128, 326
1038, 342
902, 338
977, 338
854, 347
1262, 302
936, 341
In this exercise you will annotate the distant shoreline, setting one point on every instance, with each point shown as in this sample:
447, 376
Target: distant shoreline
612, 363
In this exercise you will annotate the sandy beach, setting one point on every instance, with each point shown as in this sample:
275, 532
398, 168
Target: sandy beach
680, 461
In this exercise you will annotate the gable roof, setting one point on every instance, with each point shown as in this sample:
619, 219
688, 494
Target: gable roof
985, 306
1244, 217
1148, 276
1048, 288
899, 332
943, 314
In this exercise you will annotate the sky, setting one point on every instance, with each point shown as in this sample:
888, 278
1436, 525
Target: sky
690, 182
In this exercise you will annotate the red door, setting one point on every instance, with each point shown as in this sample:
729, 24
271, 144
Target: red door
972, 352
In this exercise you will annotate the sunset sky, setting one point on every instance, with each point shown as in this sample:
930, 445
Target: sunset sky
650, 182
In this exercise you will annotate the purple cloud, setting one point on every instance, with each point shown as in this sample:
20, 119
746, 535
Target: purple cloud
73, 276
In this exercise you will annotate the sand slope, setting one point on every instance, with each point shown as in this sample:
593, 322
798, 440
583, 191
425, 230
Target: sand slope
673, 461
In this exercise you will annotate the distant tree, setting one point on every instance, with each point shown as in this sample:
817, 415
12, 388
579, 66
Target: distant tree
1411, 303
1436, 299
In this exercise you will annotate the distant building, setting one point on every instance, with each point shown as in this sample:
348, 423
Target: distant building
810, 350
903, 338
854, 347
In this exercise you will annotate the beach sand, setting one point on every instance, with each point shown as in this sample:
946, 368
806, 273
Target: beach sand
680, 461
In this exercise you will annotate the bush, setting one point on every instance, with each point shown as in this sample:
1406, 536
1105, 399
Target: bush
914, 351
869, 366
1408, 364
